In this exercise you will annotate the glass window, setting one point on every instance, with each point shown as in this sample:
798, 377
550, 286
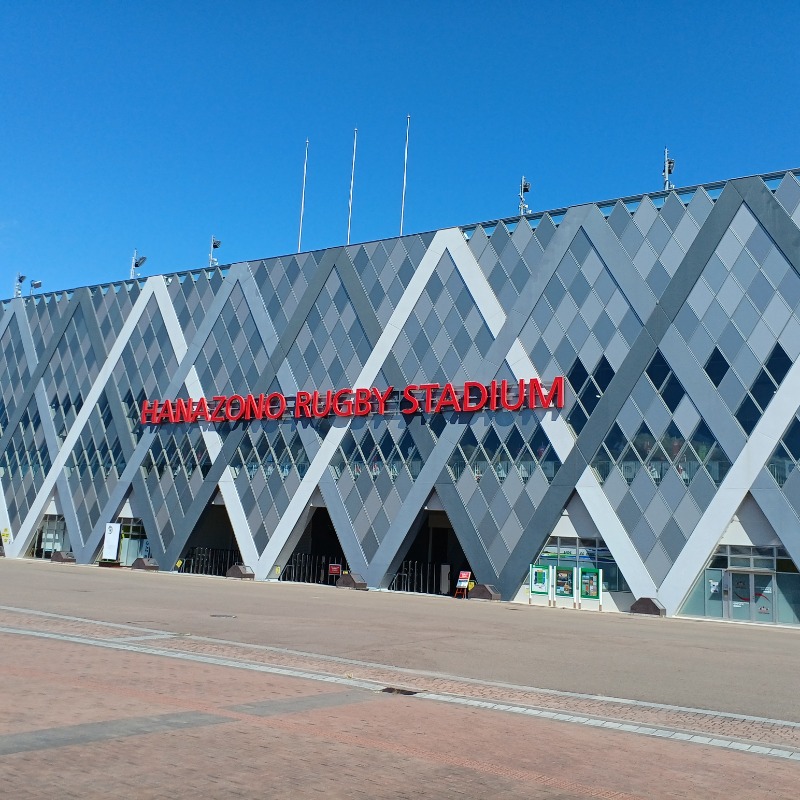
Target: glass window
658, 370
716, 367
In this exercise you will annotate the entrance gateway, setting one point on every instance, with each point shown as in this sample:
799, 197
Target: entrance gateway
749, 596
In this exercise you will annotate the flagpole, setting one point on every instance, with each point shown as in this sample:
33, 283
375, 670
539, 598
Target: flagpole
302, 200
405, 170
352, 177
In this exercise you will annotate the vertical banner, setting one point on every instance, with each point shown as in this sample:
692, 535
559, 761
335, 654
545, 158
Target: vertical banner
111, 541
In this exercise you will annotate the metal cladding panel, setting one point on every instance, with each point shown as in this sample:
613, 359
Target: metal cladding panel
674, 319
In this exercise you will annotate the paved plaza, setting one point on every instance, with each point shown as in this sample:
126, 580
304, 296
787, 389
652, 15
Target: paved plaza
118, 684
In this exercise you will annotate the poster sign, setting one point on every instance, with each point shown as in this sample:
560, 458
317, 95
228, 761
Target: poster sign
464, 578
590, 584
564, 582
111, 541
539, 580
6, 536
334, 569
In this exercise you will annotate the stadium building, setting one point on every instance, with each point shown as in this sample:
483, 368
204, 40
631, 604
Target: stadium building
583, 407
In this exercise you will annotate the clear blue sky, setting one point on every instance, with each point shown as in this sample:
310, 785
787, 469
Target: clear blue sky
155, 124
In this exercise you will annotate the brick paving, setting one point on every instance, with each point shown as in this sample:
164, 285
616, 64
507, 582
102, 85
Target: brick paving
772, 733
369, 745
165, 693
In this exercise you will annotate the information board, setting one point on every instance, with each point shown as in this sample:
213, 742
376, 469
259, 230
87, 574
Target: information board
464, 578
590, 583
564, 581
111, 541
539, 580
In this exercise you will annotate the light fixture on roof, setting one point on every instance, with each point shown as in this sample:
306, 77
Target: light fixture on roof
35, 285
669, 168
524, 188
136, 262
215, 244
18, 284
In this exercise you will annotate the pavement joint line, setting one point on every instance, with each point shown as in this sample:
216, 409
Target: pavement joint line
112, 644
644, 730
67, 618
422, 673
145, 637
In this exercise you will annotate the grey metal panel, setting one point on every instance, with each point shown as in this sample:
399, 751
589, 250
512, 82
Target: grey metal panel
778, 511
518, 315
771, 214
117, 496
394, 544
37, 374
621, 386
636, 291
62, 487
702, 393
204, 495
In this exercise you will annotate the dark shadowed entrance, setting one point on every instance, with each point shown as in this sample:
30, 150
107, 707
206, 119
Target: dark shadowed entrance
316, 551
211, 549
434, 559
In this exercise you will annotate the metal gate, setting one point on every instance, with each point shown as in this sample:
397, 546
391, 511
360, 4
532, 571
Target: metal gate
209, 561
312, 568
418, 576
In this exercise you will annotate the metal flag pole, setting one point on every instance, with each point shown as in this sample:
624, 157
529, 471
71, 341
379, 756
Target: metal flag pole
352, 177
405, 170
303, 200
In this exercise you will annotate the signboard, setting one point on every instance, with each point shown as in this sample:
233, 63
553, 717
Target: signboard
590, 583
539, 580
464, 578
359, 402
334, 569
111, 541
6, 536
564, 581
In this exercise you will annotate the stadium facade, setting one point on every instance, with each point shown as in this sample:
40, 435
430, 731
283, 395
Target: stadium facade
612, 386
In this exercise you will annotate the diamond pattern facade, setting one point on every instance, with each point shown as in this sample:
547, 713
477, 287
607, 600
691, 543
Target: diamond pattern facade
674, 319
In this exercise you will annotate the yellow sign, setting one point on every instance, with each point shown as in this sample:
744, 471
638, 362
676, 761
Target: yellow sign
6, 535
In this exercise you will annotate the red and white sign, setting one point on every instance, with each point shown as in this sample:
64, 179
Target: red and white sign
334, 569
429, 397
464, 577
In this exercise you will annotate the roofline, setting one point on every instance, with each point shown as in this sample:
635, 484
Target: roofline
533, 217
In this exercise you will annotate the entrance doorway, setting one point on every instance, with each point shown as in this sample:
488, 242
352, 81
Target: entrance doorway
211, 548
318, 557
750, 596
50, 538
433, 560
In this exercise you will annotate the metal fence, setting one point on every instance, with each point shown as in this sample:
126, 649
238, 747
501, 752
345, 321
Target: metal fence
312, 568
209, 561
418, 576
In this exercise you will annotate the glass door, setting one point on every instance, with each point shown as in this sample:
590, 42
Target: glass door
751, 596
763, 597
741, 596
